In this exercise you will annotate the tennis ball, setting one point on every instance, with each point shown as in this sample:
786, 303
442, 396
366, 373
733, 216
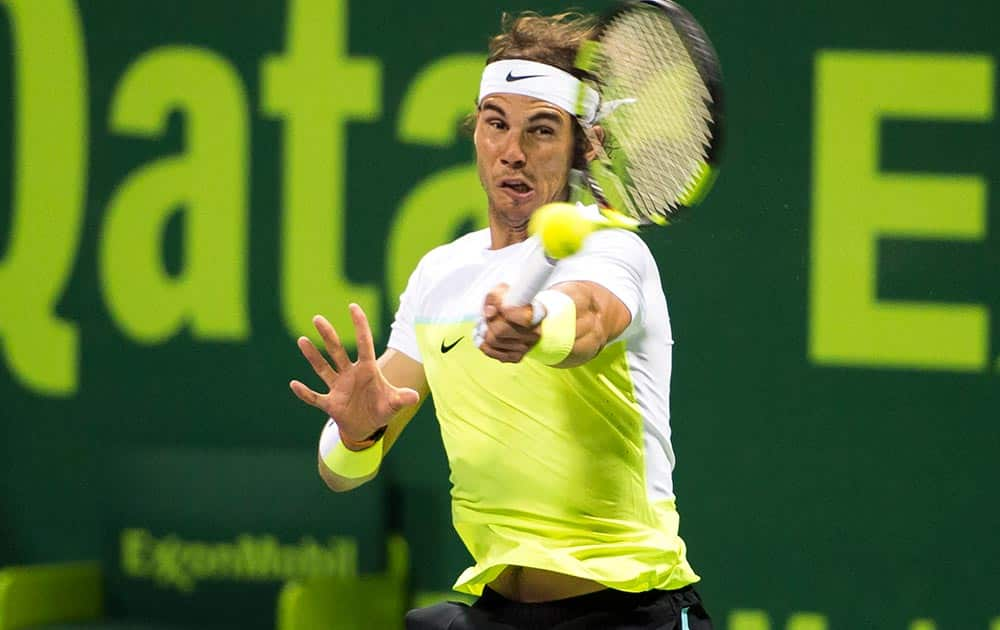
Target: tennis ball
561, 227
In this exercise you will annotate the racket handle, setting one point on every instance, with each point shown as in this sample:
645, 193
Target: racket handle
536, 271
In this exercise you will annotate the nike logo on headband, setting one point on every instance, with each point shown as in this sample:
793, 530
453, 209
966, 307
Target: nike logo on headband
511, 78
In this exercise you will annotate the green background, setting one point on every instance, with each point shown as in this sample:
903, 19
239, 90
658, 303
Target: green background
867, 494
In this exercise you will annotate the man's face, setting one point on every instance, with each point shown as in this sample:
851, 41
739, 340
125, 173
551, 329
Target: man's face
524, 149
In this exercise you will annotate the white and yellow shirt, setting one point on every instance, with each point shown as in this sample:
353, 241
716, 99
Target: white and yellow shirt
567, 470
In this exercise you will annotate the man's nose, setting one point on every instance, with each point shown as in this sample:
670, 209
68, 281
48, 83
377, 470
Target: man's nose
512, 155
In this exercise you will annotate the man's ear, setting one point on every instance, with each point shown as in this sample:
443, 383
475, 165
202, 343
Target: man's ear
472, 124
598, 133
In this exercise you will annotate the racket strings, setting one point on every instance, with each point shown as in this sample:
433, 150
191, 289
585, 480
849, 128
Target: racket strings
661, 133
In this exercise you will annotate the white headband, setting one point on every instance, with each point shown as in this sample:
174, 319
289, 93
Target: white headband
541, 81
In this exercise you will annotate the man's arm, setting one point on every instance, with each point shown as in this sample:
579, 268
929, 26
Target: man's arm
401, 371
600, 318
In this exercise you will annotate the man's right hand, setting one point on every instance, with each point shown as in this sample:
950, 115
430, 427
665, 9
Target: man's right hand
360, 399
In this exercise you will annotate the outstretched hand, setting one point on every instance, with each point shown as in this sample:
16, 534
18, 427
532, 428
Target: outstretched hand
359, 399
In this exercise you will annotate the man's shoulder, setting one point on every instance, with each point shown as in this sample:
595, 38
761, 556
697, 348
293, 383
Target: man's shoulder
617, 237
618, 244
462, 247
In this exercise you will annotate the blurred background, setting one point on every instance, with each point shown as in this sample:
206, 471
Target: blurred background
184, 184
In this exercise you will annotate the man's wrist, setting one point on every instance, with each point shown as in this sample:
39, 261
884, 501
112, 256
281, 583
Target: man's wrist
360, 445
353, 463
557, 330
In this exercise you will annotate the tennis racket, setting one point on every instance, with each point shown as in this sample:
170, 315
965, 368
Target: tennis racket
661, 113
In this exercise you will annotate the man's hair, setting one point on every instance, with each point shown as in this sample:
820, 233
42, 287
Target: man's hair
553, 40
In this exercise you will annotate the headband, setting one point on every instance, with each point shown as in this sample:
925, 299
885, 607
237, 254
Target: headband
541, 81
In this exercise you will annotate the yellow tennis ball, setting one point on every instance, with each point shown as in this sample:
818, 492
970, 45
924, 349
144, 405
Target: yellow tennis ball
561, 228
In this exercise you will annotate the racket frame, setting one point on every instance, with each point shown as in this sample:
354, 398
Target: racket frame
606, 176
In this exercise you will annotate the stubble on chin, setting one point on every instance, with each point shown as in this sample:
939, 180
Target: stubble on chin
513, 218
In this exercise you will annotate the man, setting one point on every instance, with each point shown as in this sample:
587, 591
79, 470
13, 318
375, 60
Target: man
557, 431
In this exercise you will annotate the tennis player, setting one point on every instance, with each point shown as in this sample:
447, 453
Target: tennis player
557, 433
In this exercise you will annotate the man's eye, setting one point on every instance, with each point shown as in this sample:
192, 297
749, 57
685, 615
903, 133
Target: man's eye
544, 131
496, 124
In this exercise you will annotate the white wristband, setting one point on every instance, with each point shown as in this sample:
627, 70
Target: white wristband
549, 302
558, 329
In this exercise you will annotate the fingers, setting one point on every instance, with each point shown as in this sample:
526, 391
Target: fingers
494, 308
316, 360
305, 394
403, 397
502, 329
363, 334
509, 345
505, 333
332, 343
520, 316
505, 342
504, 356
494, 301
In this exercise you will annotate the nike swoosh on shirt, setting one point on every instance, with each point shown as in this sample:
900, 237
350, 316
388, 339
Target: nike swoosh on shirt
446, 348
511, 78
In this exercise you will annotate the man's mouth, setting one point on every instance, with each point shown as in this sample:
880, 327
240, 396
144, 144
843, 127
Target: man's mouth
517, 186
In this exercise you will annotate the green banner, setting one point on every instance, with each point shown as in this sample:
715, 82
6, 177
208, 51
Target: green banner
184, 184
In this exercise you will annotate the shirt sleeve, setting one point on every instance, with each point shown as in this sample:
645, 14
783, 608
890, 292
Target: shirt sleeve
403, 336
618, 261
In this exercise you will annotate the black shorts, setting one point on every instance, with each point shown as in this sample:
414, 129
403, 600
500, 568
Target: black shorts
603, 610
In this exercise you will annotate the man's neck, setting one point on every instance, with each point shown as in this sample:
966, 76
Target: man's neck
504, 232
